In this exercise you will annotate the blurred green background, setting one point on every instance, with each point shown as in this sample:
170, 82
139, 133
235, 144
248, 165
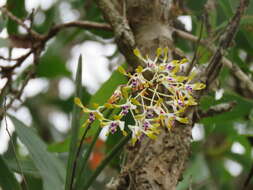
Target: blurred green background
222, 153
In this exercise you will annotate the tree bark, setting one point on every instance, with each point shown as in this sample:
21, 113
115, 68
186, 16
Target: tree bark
152, 164
146, 24
155, 164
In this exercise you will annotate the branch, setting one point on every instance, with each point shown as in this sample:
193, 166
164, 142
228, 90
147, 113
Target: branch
244, 78
20, 22
81, 24
36, 42
215, 64
215, 110
123, 34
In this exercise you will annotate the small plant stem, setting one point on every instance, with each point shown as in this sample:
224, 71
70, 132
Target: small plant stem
106, 161
80, 177
77, 155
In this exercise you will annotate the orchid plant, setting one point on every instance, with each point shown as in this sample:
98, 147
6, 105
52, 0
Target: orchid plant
156, 95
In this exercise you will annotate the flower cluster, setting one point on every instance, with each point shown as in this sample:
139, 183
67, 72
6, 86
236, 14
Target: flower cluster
156, 95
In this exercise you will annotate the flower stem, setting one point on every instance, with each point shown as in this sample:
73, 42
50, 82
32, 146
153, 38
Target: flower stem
107, 160
81, 176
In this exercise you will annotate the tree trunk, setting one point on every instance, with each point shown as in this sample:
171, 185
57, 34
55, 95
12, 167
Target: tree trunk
154, 164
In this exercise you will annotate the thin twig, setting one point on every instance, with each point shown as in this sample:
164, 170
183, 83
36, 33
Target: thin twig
247, 181
78, 155
244, 78
194, 59
20, 22
215, 63
122, 31
20, 91
215, 110
80, 24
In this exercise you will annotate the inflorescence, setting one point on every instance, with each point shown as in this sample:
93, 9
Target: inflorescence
156, 95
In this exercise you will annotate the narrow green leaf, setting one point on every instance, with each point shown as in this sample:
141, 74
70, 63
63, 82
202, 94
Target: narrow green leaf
74, 129
107, 160
100, 97
7, 179
50, 168
81, 174
28, 167
34, 183
55, 61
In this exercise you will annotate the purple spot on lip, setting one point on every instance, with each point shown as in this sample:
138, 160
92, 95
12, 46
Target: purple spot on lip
150, 114
124, 112
169, 67
113, 127
91, 117
113, 131
180, 103
114, 124
134, 82
125, 109
145, 125
188, 88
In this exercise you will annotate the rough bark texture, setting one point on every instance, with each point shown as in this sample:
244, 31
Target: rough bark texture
146, 24
158, 164
155, 164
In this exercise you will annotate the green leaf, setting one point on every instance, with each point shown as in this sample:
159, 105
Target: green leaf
2, 23
100, 97
74, 130
7, 179
116, 149
196, 5
106, 90
59, 147
34, 183
197, 162
50, 168
82, 169
244, 36
18, 9
241, 110
226, 7
50, 15
52, 64
27, 166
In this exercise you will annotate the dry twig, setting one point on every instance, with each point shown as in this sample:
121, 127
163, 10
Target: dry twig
123, 34
36, 48
244, 78
215, 110
215, 63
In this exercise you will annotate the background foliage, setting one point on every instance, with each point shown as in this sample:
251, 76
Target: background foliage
222, 145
